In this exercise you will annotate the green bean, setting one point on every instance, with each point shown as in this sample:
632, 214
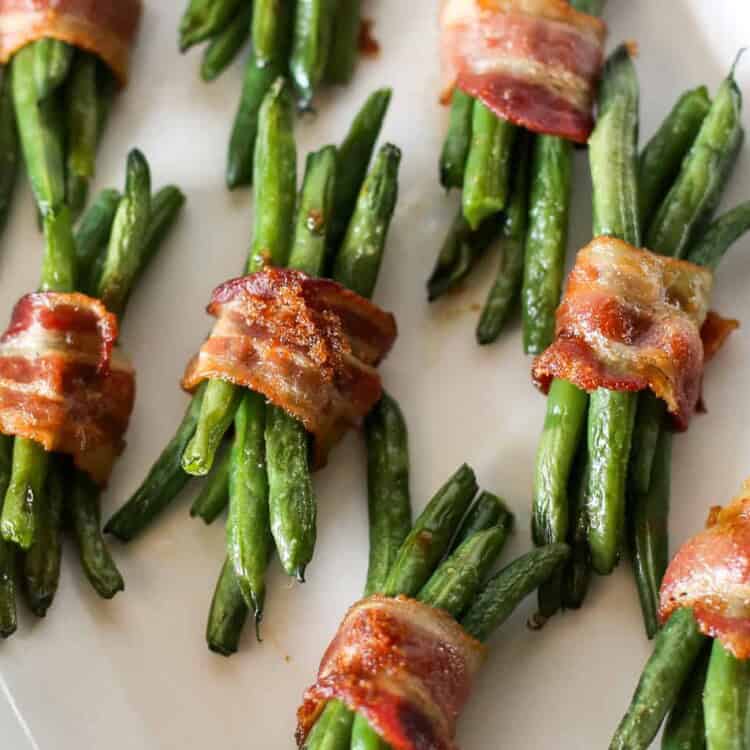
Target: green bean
337, 729
9, 154
610, 430
127, 239
166, 205
431, 535
227, 615
592, 7
507, 588
83, 130
487, 173
311, 43
709, 249
214, 497
358, 260
106, 87
460, 252
314, 211
226, 45
457, 141
505, 290
344, 51
454, 584
703, 175
271, 30
685, 728
204, 19
364, 737
726, 700
291, 498
163, 482
676, 649
649, 423
577, 573
52, 61
320, 729
650, 539
387, 488
41, 563
249, 541
92, 237
354, 155
41, 140
96, 560
546, 240
8, 619
660, 161
487, 511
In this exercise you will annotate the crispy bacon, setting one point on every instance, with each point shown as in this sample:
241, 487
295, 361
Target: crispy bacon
106, 28
533, 62
630, 320
308, 345
405, 666
711, 574
62, 383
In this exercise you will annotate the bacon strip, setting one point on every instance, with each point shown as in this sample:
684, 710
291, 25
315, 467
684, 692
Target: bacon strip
61, 382
405, 666
308, 345
533, 62
106, 28
630, 320
711, 574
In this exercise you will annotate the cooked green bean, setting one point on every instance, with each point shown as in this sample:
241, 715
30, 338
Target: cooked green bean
358, 260
204, 19
389, 502
8, 619
344, 51
52, 61
488, 510
96, 560
726, 700
9, 149
505, 590
227, 615
709, 249
92, 237
660, 161
214, 496
457, 141
166, 204
226, 45
83, 129
311, 43
505, 290
249, 541
487, 173
460, 252
163, 482
354, 156
676, 649
577, 574
41, 563
431, 535
703, 175
685, 728
546, 240
271, 30
650, 542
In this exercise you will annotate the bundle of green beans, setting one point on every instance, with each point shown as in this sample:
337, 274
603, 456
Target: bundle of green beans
61, 96
597, 487
310, 41
436, 564
117, 238
516, 190
263, 474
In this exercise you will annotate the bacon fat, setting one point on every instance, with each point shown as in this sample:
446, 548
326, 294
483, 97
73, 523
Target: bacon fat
405, 666
533, 62
631, 319
711, 574
106, 28
62, 384
309, 345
